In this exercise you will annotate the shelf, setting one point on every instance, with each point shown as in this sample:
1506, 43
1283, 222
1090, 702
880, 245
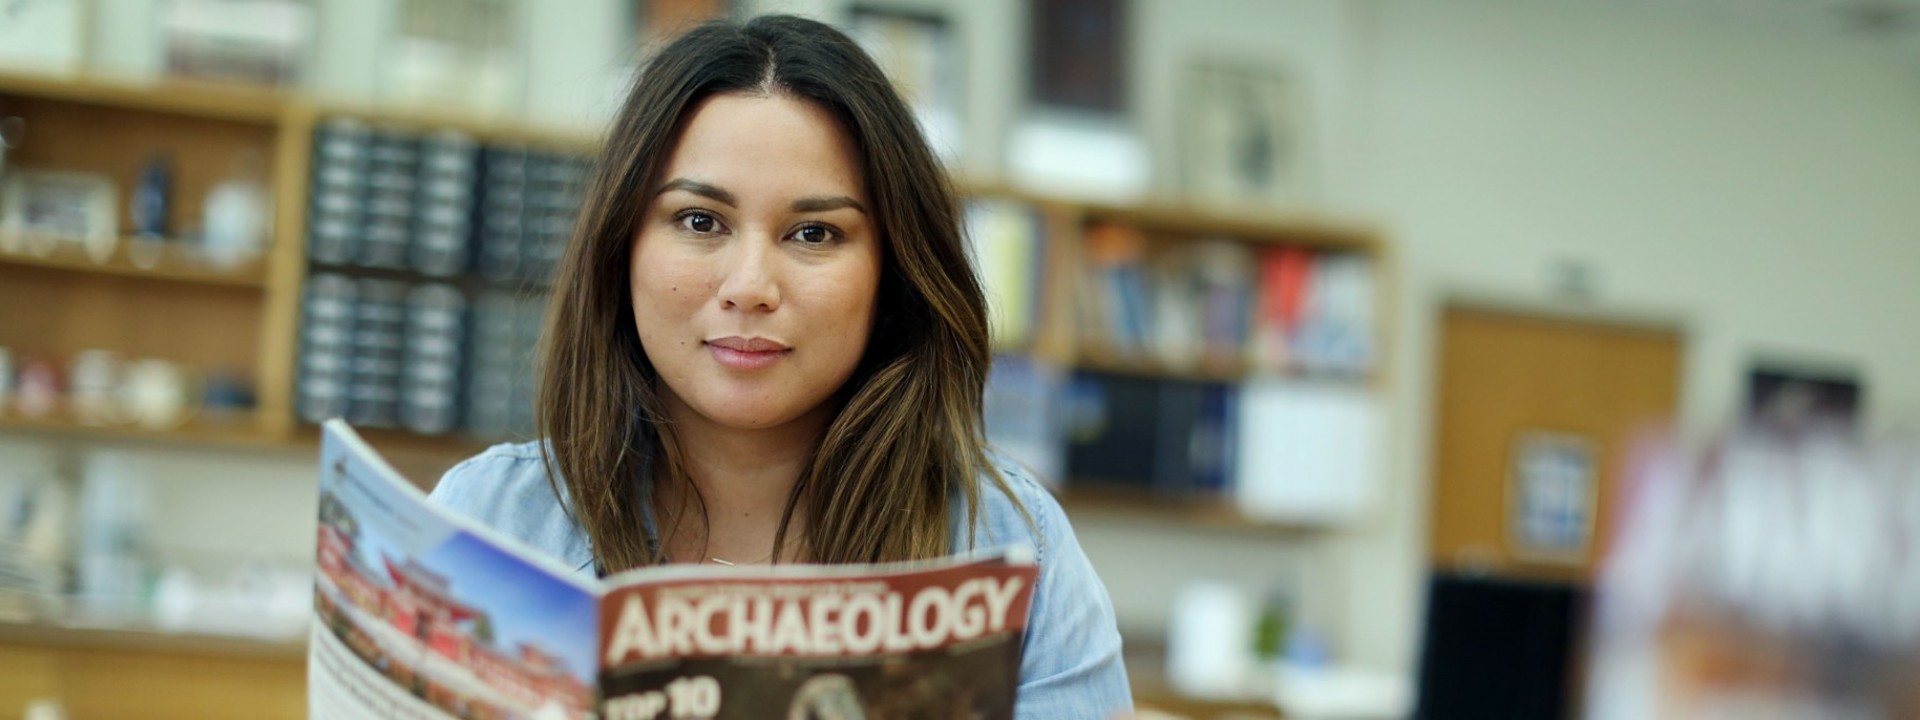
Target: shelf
1157, 696
1230, 372
486, 129
237, 434
1200, 372
205, 100
151, 640
1195, 221
1186, 218
173, 262
395, 444
1199, 511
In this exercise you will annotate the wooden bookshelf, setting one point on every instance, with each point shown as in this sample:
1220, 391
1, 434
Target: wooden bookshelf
246, 433
1316, 233
490, 129
1202, 511
169, 262
121, 672
201, 100
149, 639
246, 319
1202, 371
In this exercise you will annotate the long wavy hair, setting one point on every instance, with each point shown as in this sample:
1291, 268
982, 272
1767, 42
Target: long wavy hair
908, 436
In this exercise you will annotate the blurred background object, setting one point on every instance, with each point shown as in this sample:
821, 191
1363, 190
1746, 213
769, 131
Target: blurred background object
264, 42
1764, 575
1331, 322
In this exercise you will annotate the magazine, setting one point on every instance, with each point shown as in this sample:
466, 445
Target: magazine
1766, 575
422, 613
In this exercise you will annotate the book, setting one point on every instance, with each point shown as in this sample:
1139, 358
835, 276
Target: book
1148, 434
1021, 409
1286, 279
1119, 306
1007, 244
422, 613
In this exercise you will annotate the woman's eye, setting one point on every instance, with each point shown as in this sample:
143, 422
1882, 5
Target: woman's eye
699, 222
813, 235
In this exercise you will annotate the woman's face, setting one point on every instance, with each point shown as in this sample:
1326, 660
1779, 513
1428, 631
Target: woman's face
756, 264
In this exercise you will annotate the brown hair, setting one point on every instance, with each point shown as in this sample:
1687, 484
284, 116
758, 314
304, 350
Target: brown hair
879, 483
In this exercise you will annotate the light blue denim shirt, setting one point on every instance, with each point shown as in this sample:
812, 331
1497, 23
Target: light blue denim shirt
1071, 666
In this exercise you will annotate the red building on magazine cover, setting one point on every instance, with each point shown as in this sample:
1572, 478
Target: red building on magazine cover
421, 604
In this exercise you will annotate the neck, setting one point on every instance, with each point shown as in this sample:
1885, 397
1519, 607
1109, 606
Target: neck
744, 477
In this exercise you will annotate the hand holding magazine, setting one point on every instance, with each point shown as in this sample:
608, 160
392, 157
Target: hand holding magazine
420, 613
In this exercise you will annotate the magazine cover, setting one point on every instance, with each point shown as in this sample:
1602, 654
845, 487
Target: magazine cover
420, 613
1765, 576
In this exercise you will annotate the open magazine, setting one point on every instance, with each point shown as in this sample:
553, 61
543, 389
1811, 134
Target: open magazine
421, 613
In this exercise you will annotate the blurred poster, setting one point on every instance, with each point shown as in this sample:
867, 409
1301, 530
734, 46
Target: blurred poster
1245, 135
1796, 398
254, 41
661, 20
1551, 497
1080, 55
459, 54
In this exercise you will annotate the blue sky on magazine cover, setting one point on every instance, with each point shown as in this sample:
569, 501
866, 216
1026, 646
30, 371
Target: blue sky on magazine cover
524, 603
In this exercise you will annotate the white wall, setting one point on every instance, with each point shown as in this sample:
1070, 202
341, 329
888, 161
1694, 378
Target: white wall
1759, 187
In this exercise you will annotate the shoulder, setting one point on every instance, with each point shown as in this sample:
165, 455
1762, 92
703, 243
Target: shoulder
506, 488
1023, 512
1072, 662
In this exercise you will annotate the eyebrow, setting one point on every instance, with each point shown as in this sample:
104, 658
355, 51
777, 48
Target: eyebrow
823, 204
698, 188
802, 205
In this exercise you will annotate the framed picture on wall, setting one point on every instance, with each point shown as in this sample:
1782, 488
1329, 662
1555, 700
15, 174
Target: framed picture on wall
655, 21
265, 42
1552, 490
1799, 396
920, 53
1245, 136
1079, 55
456, 54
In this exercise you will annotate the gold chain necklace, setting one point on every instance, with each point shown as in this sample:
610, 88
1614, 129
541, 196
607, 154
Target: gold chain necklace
730, 563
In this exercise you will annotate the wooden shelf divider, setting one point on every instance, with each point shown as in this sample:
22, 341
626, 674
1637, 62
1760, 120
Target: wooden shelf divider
1198, 510
92, 637
236, 434
203, 100
172, 263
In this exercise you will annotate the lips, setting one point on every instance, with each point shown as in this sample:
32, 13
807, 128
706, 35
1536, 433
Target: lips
741, 353
748, 345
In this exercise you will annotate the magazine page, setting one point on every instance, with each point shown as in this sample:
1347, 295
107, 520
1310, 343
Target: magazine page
817, 642
421, 614
1768, 575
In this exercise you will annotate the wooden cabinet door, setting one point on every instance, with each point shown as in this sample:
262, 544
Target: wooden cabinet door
1518, 393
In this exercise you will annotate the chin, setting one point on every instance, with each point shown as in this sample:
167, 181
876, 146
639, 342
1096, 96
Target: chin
742, 416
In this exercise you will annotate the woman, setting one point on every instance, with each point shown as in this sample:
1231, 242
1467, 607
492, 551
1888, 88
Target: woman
766, 345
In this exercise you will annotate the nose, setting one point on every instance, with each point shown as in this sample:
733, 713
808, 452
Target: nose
751, 281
